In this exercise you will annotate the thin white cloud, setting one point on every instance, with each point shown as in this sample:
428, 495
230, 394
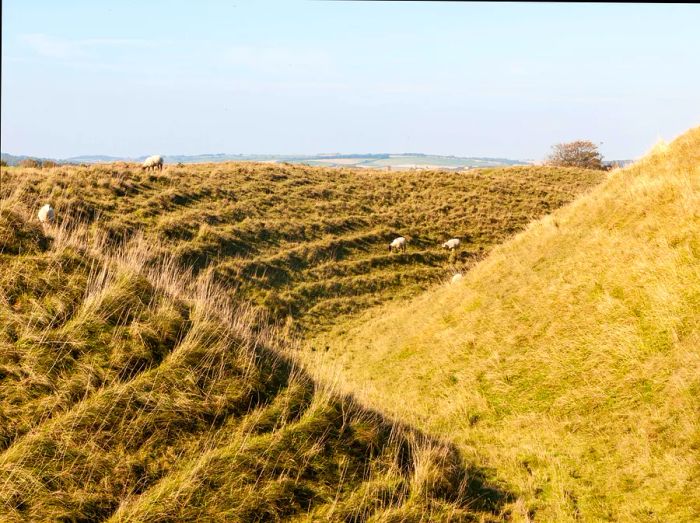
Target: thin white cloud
56, 47
52, 47
120, 42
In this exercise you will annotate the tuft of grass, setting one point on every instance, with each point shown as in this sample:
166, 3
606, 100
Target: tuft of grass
566, 361
18, 235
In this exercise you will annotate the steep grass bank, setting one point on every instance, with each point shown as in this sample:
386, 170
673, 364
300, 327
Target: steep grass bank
568, 360
130, 391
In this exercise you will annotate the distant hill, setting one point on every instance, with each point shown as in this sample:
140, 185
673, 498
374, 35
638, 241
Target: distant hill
407, 161
99, 158
11, 159
618, 163
380, 161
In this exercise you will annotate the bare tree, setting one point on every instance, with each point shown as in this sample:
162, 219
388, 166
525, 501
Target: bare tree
580, 153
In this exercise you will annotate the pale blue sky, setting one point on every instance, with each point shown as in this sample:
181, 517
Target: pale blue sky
134, 77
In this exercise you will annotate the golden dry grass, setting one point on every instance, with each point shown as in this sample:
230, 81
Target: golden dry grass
309, 244
568, 361
140, 379
132, 391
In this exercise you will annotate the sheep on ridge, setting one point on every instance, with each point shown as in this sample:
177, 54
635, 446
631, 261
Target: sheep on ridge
46, 214
399, 244
451, 244
153, 162
457, 277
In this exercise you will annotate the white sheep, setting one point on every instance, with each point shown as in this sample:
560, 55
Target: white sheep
46, 214
457, 277
451, 244
399, 244
153, 162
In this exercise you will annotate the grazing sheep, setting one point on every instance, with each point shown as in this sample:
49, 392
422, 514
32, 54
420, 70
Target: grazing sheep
46, 214
457, 277
153, 162
399, 244
451, 244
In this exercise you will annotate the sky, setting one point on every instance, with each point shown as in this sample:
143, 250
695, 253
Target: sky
129, 78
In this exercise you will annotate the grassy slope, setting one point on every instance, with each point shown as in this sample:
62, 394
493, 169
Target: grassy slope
131, 392
569, 359
124, 394
307, 243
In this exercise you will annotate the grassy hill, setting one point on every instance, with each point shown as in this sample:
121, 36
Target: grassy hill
140, 379
568, 361
130, 391
308, 244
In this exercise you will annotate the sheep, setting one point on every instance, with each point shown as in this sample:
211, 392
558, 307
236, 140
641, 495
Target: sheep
457, 277
399, 244
46, 214
451, 244
153, 162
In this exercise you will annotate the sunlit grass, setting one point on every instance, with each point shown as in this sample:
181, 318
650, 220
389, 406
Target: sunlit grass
567, 361
131, 390
143, 380
308, 244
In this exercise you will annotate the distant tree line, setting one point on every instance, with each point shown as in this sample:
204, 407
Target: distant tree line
38, 164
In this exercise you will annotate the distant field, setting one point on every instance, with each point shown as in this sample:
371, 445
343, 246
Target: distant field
408, 161
439, 161
379, 161
308, 244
